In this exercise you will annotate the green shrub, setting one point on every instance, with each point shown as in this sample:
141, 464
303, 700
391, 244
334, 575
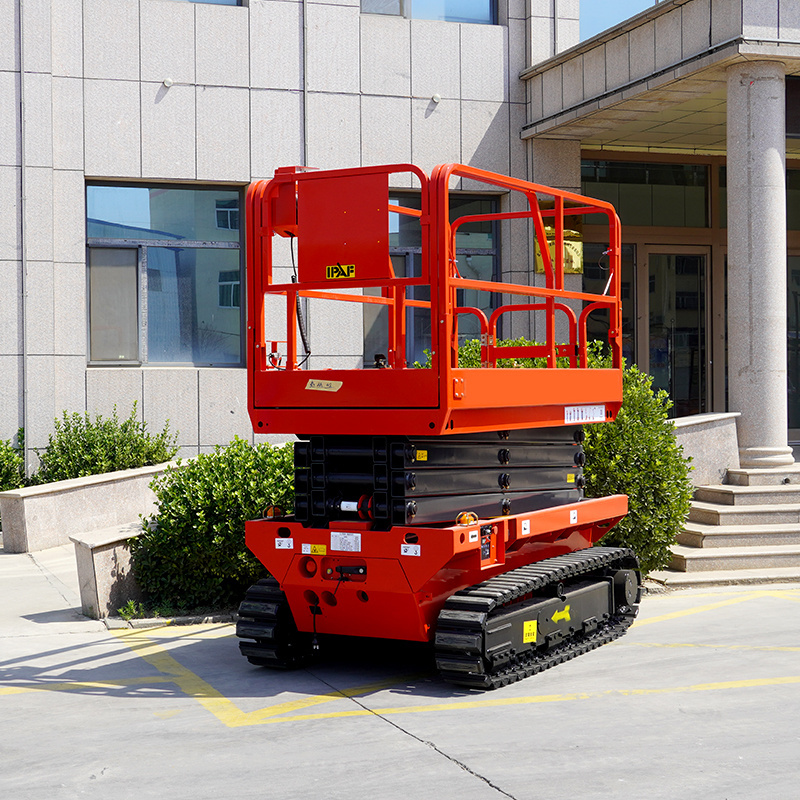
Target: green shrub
81, 446
638, 455
469, 356
192, 553
12, 465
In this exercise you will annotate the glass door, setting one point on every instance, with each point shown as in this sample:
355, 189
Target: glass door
676, 324
793, 344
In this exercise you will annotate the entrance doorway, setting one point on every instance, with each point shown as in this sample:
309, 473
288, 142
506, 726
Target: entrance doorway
672, 321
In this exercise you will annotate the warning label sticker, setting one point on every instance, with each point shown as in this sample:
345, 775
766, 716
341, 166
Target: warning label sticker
529, 630
580, 414
315, 550
346, 542
284, 544
410, 550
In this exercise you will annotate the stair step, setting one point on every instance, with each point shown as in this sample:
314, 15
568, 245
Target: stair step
720, 577
773, 476
747, 495
695, 534
694, 559
716, 514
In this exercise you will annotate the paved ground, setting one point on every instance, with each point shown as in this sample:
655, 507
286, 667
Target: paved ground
698, 700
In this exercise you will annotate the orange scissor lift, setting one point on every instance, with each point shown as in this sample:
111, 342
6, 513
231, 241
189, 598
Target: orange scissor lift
440, 502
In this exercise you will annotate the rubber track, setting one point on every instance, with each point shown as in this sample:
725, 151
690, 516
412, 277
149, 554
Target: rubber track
265, 616
496, 593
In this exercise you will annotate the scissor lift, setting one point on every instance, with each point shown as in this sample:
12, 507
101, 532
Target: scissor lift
440, 502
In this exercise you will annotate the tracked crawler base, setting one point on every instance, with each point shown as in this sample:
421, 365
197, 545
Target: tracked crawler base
490, 634
530, 619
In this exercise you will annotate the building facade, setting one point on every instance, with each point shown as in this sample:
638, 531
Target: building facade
684, 117
130, 129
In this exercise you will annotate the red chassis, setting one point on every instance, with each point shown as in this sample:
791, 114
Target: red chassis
409, 571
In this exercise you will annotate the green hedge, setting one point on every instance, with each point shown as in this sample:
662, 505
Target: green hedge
12, 465
638, 455
192, 553
82, 446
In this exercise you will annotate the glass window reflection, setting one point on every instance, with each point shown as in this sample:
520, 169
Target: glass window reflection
135, 212
183, 250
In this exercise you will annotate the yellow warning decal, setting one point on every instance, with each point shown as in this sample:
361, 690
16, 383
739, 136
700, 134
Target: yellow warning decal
562, 615
422, 455
340, 271
529, 631
315, 549
570, 477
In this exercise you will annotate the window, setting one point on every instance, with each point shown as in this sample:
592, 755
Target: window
229, 285
479, 11
661, 195
228, 214
219, 2
164, 275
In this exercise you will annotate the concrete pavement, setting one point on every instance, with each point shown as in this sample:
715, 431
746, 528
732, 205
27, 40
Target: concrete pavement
699, 699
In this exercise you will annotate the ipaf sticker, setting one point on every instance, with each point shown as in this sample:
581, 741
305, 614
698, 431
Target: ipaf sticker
340, 271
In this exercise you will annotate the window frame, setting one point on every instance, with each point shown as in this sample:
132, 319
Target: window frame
142, 246
407, 12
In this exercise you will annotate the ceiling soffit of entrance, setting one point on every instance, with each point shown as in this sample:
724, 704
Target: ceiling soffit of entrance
680, 111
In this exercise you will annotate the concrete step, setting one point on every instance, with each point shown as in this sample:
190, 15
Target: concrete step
695, 534
716, 514
764, 477
694, 559
748, 495
720, 577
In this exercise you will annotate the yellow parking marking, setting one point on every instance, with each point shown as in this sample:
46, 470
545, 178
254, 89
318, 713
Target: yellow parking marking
214, 701
550, 698
741, 598
77, 685
172, 671
765, 648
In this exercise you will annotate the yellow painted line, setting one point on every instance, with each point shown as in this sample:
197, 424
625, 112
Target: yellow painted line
220, 706
76, 685
742, 598
733, 599
551, 698
764, 648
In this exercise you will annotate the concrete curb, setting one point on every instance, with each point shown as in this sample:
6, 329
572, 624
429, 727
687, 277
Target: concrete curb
117, 623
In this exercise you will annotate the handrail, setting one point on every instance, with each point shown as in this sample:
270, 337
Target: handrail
552, 296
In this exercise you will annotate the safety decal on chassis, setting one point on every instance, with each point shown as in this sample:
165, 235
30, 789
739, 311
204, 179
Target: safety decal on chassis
579, 414
529, 631
346, 542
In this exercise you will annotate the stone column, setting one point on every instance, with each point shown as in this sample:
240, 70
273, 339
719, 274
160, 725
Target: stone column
757, 375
